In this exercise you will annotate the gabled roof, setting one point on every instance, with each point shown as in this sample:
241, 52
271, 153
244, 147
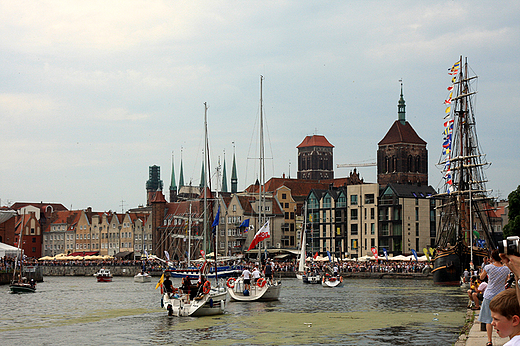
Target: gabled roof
246, 203
138, 216
157, 197
182, 208
401, 133
298, 187
41, 205
411, 190
315, 141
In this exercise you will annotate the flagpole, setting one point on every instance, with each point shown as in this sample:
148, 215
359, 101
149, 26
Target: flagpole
189, 236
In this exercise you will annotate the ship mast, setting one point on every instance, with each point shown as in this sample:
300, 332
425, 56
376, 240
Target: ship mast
261, 189
464, 202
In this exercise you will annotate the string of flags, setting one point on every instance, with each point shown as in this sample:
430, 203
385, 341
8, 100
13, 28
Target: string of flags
448, 128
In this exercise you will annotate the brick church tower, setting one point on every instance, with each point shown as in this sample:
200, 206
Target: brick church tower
402, 156
315, 158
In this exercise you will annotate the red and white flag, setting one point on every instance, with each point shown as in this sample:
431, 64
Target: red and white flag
263, 233
374, 252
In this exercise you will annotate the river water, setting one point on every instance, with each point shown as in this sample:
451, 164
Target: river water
80, 311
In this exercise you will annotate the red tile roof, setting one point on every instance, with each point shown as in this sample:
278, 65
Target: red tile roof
315, 141
401, 133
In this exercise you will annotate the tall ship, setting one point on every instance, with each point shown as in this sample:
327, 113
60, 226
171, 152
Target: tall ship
464, 235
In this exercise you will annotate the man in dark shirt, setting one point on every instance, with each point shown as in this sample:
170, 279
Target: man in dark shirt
268, 271
168, 285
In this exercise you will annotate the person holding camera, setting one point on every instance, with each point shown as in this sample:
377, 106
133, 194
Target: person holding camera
510, 256
497, 275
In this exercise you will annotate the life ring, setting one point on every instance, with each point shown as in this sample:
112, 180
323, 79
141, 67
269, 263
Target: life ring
261, 282
206, 288
231, 282
341, 279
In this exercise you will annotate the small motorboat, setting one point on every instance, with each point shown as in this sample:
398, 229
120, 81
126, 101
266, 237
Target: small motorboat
142, 277
331, 280
103, 275
23, 286
311, 278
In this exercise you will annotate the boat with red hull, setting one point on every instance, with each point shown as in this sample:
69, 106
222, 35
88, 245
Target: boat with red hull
103, 275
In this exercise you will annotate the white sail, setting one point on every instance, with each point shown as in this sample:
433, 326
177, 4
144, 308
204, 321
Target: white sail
301, 265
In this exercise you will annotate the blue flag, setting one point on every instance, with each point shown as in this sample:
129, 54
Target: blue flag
217, 219
415, 254
328, 254
386, 253
245, 224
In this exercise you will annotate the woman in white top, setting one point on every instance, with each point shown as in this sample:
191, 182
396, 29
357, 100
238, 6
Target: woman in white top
497, 275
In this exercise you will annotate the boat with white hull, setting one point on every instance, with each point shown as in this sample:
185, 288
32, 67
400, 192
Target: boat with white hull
311, 278
208, 304
142, 277
332, 281
261, 291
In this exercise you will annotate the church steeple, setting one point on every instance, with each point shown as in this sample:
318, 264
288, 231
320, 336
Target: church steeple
201, 184
181, 177
234, 179
224, 177
173, 187
401, 113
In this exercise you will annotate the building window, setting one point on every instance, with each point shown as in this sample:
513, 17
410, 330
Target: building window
284, 196
384, 230
372, 228
354, 229
313, 202
372, 213
353, 214
369, 198
234, 207
342, 201
353, 199
353, 244
326, 201
416, 214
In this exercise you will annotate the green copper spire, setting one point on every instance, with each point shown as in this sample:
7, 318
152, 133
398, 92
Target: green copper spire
201, 184
401, 108
173, 187
234, 179
181, 178
224, 178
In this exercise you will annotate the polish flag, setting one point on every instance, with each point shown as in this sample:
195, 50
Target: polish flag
263, 233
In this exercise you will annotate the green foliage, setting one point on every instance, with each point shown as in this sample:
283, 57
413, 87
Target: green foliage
513, 226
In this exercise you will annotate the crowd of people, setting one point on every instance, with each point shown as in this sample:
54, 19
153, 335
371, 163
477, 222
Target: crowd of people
277, 266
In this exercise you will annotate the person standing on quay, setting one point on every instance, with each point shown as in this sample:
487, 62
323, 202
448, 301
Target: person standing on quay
497, 275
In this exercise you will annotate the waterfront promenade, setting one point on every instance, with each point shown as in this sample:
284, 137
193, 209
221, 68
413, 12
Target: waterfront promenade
476, 337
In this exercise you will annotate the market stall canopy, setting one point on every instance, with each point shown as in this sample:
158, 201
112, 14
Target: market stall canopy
398, 258
46, 258
84, 253
124, 254
6, 215
8, 250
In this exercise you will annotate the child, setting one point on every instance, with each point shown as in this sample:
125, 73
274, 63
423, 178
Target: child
505, 312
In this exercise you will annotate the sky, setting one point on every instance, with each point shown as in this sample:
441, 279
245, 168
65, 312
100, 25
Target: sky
92, 93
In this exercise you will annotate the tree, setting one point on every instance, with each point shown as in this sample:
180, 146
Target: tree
513, 226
